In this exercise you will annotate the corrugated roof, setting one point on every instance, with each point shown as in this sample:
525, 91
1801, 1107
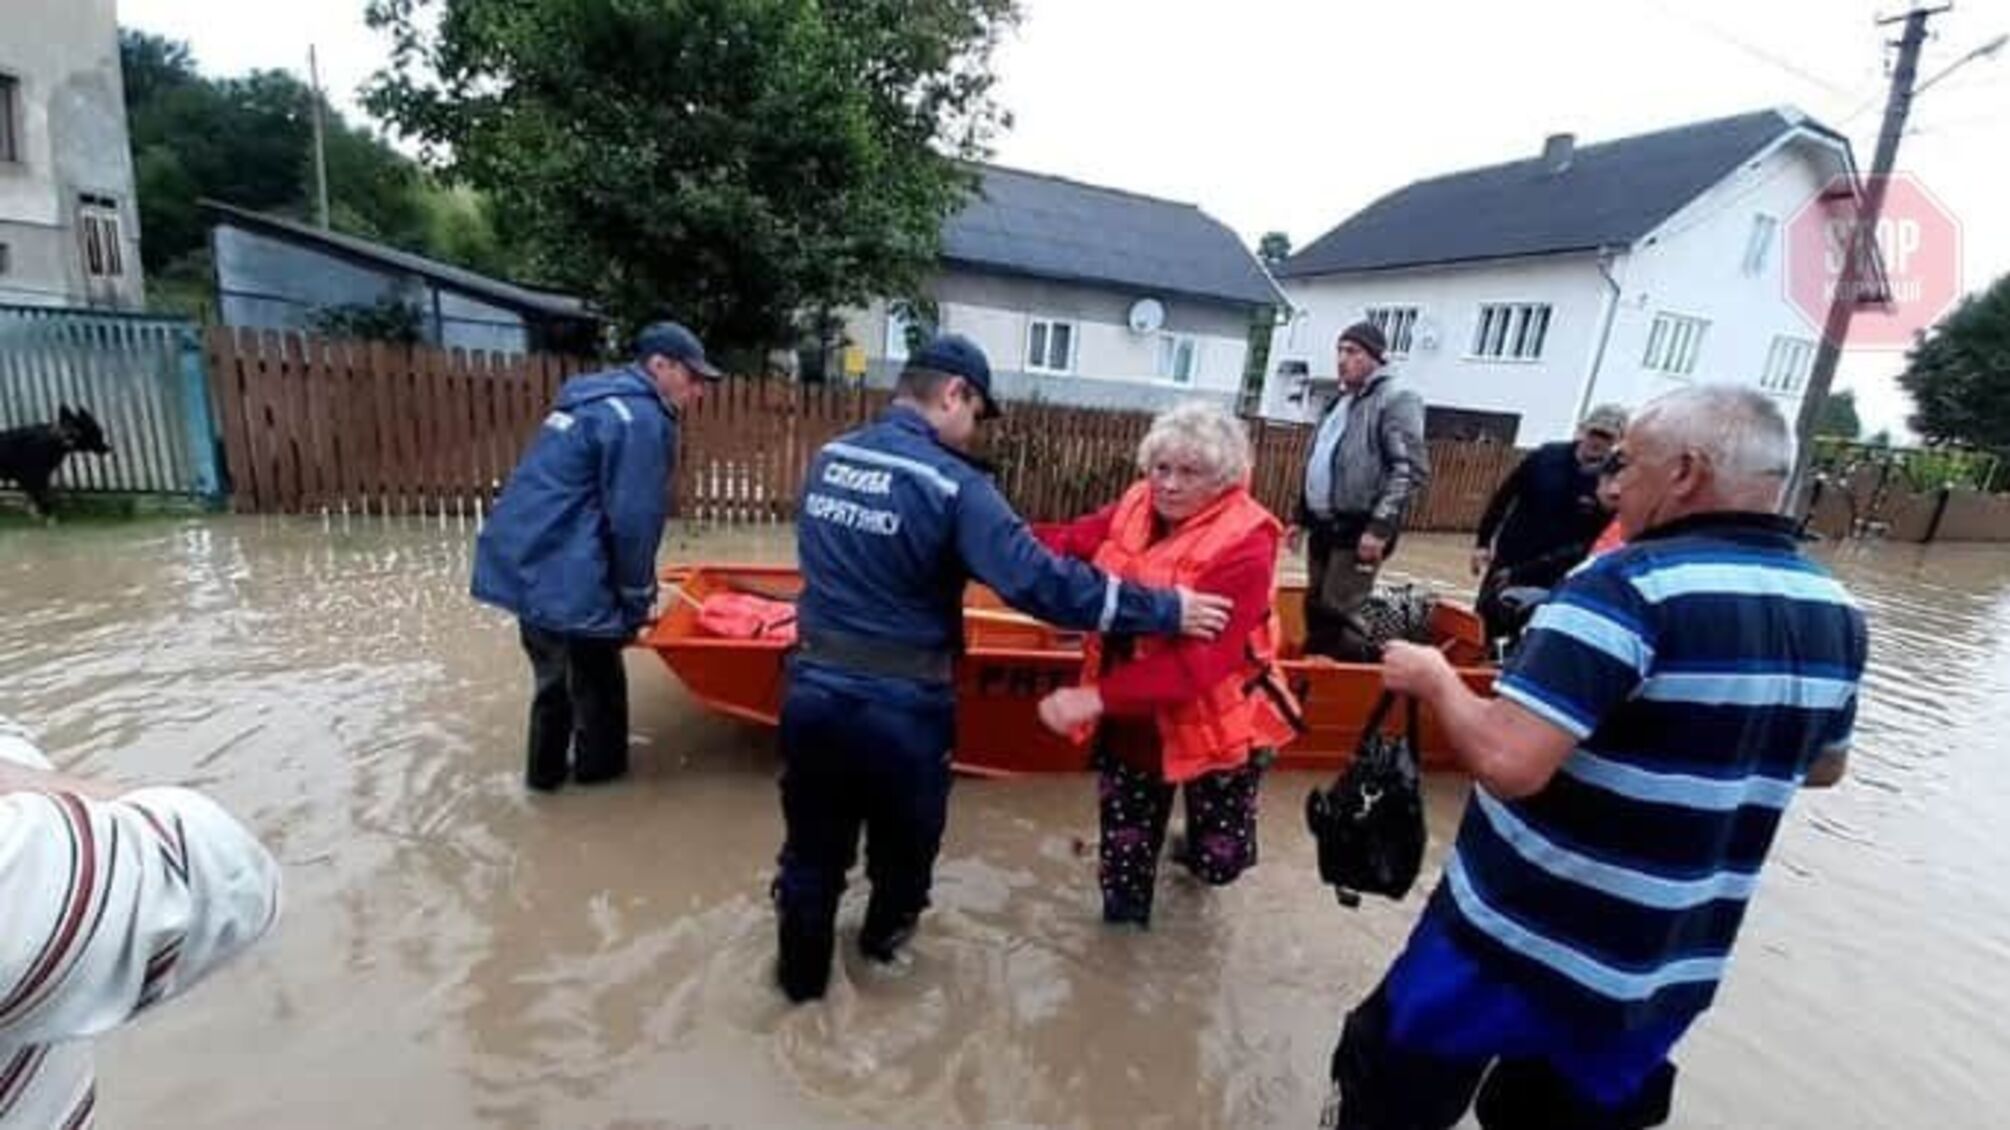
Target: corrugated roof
508, 294
1611, 194
1048, 227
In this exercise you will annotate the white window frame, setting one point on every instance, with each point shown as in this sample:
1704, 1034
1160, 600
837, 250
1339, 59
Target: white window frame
896, 334
1674, 344
1398, 323
1788, 362
1759, 243
1169, 347
1296, 329
1042, 329
100, 237
10, 119
1515, 332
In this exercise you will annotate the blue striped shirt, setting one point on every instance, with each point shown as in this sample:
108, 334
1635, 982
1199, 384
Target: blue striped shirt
1702, 670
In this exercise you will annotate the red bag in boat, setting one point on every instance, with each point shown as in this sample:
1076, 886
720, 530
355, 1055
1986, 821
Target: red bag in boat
744, 616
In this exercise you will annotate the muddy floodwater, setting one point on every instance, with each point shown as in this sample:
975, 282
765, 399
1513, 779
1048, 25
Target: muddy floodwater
456, 953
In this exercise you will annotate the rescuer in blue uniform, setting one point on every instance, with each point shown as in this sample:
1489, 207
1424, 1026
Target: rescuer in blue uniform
895, 520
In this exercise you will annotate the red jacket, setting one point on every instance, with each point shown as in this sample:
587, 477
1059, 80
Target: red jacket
1190, 667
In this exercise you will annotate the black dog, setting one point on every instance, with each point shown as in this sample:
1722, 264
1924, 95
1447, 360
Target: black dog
30, 455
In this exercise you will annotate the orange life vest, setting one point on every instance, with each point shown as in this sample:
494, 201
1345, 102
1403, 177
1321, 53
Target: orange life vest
1252, 708
743, 616
1610, 539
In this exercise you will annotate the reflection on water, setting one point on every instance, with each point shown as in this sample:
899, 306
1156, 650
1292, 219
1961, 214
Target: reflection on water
457, 954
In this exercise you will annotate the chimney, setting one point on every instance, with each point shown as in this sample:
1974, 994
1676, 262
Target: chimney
1557, 150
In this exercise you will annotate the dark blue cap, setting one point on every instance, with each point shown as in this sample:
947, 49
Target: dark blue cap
958, 356
678, 344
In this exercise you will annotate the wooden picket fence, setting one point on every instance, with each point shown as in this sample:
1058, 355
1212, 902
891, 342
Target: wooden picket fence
312, 425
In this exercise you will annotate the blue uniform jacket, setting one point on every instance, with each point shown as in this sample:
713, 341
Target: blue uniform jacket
893, 525
571, 546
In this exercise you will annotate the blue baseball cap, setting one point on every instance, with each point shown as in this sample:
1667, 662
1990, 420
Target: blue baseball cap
958, 356
678, 344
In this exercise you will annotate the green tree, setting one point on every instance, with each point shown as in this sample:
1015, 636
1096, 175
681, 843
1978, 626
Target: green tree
1959, 374
742, 163
387, 319
248, 141
1839, 416
1274, 248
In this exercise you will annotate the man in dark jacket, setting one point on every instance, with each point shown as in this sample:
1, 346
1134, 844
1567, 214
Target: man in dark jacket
571, 548
1545, 515
896, 521
1368, 463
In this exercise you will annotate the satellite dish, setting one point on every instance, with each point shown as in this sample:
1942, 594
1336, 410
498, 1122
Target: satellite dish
1147, 315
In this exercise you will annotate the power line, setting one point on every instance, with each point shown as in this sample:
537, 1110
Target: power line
1762, 54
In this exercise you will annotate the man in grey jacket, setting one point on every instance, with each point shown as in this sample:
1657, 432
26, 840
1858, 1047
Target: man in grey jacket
1368, 463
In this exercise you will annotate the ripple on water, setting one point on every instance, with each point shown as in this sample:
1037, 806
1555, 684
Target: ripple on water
458, 954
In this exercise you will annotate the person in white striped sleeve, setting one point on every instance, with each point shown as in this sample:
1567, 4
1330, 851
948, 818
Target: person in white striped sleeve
115, 900
1664, 706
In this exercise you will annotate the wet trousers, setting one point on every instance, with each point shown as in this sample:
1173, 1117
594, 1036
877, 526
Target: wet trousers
1337, 583
578, 709
1134, 806
859, 754
1444, 1033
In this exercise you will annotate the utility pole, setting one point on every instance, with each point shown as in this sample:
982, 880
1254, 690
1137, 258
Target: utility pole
1863, 235
320, 142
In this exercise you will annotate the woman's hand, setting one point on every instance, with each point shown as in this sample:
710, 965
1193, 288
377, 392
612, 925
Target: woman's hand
1070, 708
1203, 615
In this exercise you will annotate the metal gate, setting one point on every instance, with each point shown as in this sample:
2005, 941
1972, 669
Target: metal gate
140, 376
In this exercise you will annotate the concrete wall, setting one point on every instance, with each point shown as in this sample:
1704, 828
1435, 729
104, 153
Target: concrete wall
1113, 367
269, 283
1695, 266
1440, 365
70, 126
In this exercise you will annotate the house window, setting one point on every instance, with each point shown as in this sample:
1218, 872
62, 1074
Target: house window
1050, 346
10, 93
1294, 335
98, 228
1759, 245
1397, 323
6, 259
1787, 364
902, 327
1511, 330
1673, 344
1179, 358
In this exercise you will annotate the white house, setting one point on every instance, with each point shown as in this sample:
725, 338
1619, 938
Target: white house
1087, 295
69, 224
1516, 296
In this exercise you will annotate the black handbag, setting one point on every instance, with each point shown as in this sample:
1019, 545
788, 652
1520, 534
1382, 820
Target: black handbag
1369, 824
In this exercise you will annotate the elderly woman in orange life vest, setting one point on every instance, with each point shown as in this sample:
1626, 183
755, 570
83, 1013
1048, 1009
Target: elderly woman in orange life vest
1166, 715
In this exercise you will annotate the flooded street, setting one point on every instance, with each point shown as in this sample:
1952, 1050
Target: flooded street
456, 953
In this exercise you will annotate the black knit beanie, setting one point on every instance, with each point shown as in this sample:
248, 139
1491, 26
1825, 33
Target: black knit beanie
1368, 337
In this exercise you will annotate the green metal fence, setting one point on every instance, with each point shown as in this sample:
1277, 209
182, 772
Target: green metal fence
141, 377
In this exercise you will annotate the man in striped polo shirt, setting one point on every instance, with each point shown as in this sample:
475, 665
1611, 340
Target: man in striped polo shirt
113, 900
1663, 708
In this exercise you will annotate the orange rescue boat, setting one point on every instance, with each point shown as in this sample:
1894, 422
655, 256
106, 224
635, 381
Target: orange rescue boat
1011, 660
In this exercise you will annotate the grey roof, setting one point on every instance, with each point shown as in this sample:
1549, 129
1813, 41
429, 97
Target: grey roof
1046, 227
514, 296
1611, 194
